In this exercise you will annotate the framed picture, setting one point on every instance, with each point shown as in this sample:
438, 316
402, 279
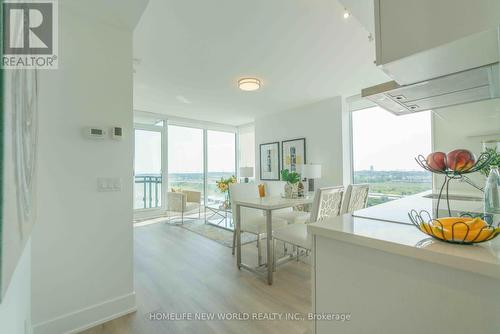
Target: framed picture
270, 161
18, 162
294, 154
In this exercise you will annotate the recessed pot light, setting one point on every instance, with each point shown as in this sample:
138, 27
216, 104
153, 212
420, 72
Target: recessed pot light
249, 84
347, 14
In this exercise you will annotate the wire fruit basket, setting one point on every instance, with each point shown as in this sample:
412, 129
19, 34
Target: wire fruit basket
449, 174
465, 230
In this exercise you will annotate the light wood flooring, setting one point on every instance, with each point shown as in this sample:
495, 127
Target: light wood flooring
179, 271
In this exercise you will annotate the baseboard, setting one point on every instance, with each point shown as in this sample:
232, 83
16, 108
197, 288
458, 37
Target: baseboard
88, 317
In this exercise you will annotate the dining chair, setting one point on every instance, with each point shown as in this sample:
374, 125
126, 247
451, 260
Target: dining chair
276, 189
327, 203
355, 198
252, 220
309, 217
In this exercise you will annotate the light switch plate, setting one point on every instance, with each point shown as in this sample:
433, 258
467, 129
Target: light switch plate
105, 184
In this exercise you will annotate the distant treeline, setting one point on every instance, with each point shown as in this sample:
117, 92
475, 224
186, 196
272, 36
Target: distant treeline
374, 176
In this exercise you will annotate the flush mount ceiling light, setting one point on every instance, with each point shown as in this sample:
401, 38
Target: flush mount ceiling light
347, 14
249, 84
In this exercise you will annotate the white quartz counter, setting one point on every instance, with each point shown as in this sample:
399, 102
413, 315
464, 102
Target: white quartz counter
387, 230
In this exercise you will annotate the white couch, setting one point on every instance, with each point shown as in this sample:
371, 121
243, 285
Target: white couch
184, 201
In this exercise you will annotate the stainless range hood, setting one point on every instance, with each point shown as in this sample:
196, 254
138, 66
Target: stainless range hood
472, 85
462, 71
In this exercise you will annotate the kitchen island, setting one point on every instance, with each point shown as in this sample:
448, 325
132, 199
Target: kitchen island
393, 279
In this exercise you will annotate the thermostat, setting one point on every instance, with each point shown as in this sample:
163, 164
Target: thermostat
95, 133
116, 133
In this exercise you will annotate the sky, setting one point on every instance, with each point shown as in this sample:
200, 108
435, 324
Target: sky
185, 150
389, 142
147, 153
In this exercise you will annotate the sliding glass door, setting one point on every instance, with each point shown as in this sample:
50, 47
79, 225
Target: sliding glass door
185, 158
148, 167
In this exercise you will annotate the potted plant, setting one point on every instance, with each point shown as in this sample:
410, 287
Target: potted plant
495, 160
292, 183
223, 186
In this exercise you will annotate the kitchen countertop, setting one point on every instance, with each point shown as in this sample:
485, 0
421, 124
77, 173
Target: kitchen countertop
397, 211
386, 227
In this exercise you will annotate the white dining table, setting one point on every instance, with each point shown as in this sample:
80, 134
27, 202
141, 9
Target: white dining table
268, 205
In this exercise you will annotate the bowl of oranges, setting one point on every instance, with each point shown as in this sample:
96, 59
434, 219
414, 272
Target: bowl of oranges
466, 229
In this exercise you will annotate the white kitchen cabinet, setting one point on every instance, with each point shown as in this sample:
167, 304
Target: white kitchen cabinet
389, 293
391, 278
406, 27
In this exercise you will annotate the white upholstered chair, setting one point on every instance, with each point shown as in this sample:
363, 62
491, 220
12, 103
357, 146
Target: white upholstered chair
355, 198
276, 189
252, 220
184, 201
327, 203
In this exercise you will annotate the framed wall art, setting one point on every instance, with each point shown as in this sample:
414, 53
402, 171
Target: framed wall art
270, 161
19, 137
294, 154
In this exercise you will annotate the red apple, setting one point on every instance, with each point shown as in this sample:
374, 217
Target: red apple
437, 161
460, 160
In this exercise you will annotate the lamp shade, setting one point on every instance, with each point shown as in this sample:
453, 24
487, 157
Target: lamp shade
311, 171
246, 171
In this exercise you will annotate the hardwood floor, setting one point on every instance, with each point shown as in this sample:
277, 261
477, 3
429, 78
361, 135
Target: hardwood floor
179, 271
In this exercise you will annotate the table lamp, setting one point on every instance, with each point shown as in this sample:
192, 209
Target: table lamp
311, 172
246, 172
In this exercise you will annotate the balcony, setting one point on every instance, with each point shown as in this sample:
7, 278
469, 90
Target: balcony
147, 191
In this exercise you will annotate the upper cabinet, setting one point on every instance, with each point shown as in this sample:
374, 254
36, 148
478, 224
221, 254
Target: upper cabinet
421, 39
406, 27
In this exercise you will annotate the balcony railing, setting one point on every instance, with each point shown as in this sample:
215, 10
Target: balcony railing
148, 186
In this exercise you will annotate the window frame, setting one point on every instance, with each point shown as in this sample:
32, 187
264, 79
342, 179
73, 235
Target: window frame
355, 103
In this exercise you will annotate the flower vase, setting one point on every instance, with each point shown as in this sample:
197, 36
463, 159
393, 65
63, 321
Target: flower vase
291, 190
227, 201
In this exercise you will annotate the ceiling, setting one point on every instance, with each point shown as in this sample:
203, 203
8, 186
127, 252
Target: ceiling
363, 10
190, 53
123, 14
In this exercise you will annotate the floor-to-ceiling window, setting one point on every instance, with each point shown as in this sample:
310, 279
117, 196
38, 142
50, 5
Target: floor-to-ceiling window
185, 158
221, 162
384, 147
171, 155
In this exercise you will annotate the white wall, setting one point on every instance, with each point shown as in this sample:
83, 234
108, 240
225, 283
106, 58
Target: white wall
460, 127
320, 124
82, 245
15, 308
